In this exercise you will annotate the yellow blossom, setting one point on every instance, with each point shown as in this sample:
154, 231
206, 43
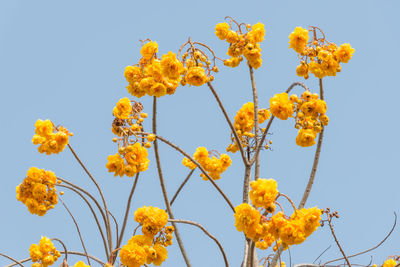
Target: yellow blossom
344, 53
149, 49
306, 137
45, 253
280, 106
247, 219
298, 39
263, 193
133, 74
49, 138
123, 109
81, 264
116, 164
152, 219
257, 33
221, 30
171, 66
196, 76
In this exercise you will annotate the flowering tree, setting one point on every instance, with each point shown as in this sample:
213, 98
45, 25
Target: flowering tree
260, 215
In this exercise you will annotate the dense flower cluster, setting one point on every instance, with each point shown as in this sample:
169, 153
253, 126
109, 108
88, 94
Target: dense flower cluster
44, 254
242, 44
265, 230
389, 263
212, 165
309, 113
153, 76
132, 156
318, 56
50, 139
244, 125
263, 193
148, 248
38, 191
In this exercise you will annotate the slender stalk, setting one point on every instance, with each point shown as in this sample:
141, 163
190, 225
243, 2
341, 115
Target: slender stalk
77, 228
12, 259
181, 186
245, 161
128, 206
337, 242
94, 215
89, 195
86, 255
256, 126
246, 184
108, 225
116, 225
207, 233
164, 190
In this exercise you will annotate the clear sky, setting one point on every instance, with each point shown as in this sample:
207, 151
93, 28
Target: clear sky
64, 61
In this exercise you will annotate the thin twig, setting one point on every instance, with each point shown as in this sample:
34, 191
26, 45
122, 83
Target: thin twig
322, 253
116, 225
245, 161
370, 249
128, 206
94, 215
207, 233
10, 258
337, 241
164, 190
181, 186
86, 255
108, 224
256, 126
77, 228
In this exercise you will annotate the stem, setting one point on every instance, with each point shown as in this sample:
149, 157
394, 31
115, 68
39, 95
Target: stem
207, 233
128, 206
10, 258
116, 225
77, 228
256, 126
246, 184
94, 215
65, 248
181, 186
164, 190
251, 252
245, 161
316, 157
337, 241
108, 226
86, 255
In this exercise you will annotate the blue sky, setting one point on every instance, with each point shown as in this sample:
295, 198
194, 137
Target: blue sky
64, 60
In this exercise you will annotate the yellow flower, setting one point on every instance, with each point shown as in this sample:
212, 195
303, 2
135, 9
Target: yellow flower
81, 264
149, 49
133, 255
152, 219
115, 164
344, 53
44, 253
221, 30
247, 219
133, 74
171, 67
298, 39
158, 256
123, 109
233, 62
232, 37
280, 106
389, 263
196, 76
257, 33
263, 193
135, 90
317, 69
188, 163
136, 156
49, 138
158, 90
306, 137
38, 191
302, 70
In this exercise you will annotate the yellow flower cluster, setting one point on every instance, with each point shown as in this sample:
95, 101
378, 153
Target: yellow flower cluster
44, 254
129, 160
145, 248
153, 76
197, 68
389, 263
319, 56
244, 125
308, 110
242, 44
212, 165
50, 139
81, 264
38, 191
310, 117
278, 228
263, 193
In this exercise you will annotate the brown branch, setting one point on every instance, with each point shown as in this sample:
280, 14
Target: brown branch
245, 161
181, 186
163, 188
108, 225
94, 215
256, 126
207, 233
65, 248
12, 259
337, 241
116, 225
77, 228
